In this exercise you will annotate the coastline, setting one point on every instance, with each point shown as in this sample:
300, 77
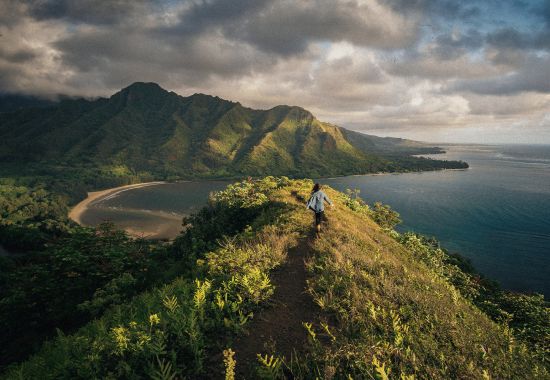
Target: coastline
167, 230
76, 212
392, 173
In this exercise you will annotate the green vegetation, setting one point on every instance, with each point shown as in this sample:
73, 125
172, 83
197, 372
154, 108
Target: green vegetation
144, 131
81, 302
29, 216
75, 275
390, 305
526, 314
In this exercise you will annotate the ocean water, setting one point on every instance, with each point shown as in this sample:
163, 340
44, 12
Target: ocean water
496, 213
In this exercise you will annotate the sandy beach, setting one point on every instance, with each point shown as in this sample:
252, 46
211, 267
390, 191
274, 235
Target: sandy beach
77, 211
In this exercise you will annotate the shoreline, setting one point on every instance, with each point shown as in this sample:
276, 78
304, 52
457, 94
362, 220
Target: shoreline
393, 173
163, 232
76, 212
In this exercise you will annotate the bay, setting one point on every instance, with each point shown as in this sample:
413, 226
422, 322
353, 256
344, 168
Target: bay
496, 213
152, 211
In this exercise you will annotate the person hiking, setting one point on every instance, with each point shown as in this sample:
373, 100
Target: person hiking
316, 203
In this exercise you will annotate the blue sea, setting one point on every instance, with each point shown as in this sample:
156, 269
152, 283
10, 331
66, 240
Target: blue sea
496, 213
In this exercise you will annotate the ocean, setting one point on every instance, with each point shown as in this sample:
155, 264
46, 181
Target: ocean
496, 213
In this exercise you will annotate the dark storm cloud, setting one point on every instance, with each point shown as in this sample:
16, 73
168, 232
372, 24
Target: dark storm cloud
96, 12
542, 10
191, 52
16, 56
511, 38
288, 27
11, 12
135, 54
229, 39
528, 36
447, 9
216, 14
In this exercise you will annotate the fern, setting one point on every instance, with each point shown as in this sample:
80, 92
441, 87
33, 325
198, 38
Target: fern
310, 331
380, 370
270, 367
164, 370
171, 303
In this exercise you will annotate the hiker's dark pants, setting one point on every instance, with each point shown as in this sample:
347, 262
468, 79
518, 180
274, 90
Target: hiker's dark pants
319, 216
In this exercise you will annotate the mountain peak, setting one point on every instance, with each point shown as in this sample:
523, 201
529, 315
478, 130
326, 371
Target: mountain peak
141, 94
143, 86
293, 111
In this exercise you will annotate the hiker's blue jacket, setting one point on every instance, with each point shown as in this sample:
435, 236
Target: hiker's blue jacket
316, 201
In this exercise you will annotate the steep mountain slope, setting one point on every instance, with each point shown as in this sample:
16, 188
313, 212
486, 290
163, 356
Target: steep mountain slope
144, 128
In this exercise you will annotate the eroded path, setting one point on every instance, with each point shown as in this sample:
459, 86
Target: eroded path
278, 328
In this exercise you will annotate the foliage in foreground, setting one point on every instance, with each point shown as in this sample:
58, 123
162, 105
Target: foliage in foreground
45, 289
172, 329
77, 276
393, 306
528, 316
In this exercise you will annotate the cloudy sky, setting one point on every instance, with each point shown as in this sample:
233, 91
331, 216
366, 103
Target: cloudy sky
434, 70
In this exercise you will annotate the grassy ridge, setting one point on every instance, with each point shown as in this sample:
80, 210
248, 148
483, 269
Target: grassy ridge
390, 308
394, 314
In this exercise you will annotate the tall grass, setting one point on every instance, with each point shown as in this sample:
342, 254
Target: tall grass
393, 314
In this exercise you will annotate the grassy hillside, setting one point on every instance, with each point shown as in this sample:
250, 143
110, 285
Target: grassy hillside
144, 130
380, 305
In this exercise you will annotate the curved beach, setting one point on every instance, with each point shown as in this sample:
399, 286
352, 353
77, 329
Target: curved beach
76, 212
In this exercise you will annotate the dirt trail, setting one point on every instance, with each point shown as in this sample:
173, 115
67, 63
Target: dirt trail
278, 328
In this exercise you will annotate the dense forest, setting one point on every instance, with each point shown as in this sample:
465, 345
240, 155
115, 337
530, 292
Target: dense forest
387, 305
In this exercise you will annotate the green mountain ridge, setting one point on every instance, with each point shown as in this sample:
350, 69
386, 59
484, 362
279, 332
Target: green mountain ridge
144, 128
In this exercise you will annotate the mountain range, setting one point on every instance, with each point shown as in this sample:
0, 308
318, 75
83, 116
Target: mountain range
144, 128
